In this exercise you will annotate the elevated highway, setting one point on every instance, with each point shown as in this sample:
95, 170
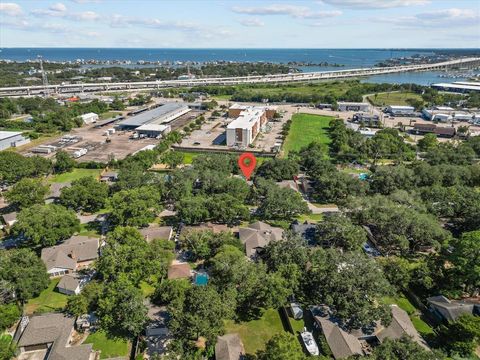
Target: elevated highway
277, 78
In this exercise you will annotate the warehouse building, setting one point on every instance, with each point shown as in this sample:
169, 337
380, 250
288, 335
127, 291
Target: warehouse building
89, 118
251, 119
10, 139
160, 115
459, 87
398, 110
153, 130
353, 106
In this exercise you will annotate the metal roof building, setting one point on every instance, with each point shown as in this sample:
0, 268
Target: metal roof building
159, 115
12, 139
462, 87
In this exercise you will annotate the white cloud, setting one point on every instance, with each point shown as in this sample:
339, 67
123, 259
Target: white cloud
11, 9
59, 10
374, 4
86, 1
58, 7
445, 18
294, 11
252, 22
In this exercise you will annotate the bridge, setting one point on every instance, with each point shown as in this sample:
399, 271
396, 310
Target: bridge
257, 79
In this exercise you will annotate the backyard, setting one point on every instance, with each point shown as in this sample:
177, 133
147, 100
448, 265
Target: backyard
75, 174
49, 300
256, 333
306, 128
108, 347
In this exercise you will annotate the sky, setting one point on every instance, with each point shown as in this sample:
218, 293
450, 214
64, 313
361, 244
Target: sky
241, 24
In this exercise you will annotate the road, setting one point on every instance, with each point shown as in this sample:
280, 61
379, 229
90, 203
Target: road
276, 78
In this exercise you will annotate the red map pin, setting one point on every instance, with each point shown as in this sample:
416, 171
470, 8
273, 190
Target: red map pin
247, 162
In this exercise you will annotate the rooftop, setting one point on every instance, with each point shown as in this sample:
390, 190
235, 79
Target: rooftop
152, 127
247, 119
229, 347
8, 134
66, 255
153, 115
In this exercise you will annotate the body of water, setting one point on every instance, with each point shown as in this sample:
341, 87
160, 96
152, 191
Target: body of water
349, 58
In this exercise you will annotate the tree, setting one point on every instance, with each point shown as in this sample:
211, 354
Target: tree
465, 257
7, 347
335, 187
205, 244
193, 209
64, 162
9, 314
339, 231
397, 270
278, 169
227, 209
172, 292
403, 349
87, 300
85, 194
135, 207
387, 179
27, 192
282, 346
351, 284
14, 167
46, 225
24, 272
120, 309
281, 203
172, 158
462, 336
428, 142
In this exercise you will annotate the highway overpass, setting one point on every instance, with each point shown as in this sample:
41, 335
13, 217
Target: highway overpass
277, 78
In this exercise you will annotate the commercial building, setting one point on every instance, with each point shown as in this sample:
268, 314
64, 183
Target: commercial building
439, 113
153, 130
160, 115
12, 139
459, 87
370, 119
398, 110
89, 118
249, 122
353, 106
422, 129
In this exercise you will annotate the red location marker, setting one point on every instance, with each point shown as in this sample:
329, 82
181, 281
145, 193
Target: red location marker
247, 162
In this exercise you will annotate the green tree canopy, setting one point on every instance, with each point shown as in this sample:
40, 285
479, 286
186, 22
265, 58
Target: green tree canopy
27, 192
339, 231
282, 346
46, 225
278, 169
63, 162
85, 194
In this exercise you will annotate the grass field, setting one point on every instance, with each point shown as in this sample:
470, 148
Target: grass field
188, 157
109, 348
109, 114
306, 128
256, 333
49, 300
393, 98
75, 174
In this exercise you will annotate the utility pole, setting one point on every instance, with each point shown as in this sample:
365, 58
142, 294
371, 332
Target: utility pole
44, 76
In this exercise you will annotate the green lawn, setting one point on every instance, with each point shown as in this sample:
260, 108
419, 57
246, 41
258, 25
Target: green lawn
422, 327
256, 333
49, 300
311, 218
109, 115
88, 230
306, 128
147, 289
188, 157
75, 174
393, 98
114, 347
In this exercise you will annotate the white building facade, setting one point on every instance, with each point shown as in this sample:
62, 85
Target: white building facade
10, 139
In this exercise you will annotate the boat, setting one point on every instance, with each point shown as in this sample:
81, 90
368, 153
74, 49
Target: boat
309, 342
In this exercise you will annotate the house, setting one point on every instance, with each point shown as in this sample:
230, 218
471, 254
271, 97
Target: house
56, 191
157, 334
258, 235
449, 310
52, 334
72, 284
229, 347
73, 254
288, 184
109, 176
208, 226
157, 232
89, 118
344, 343
179, 270
10, 219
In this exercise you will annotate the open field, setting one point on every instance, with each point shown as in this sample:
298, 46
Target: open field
256, 333
49, 300
75, 174
108, 347
306, 128
393, 98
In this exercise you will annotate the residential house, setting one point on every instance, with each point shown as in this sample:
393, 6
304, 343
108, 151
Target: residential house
307, 231
73, 254
157, 335
72, 284
229, 347
258, 235
50, 337
288, 184
449, 310
109, 176
344, 343
10, 219
56, 190
179, 270
157, 232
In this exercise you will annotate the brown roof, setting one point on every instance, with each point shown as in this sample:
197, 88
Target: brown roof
257, 236
157, 232
54, 328
341, 343
66, 255
448, 131
10, 218
179, 271
216, 228
424, 127
401, 325
229, 347
56, 189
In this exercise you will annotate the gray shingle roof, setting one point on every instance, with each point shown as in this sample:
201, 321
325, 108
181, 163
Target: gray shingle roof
69, 282
450, 309
229, 347
258, 235
341, 343
66, 255
157, 232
